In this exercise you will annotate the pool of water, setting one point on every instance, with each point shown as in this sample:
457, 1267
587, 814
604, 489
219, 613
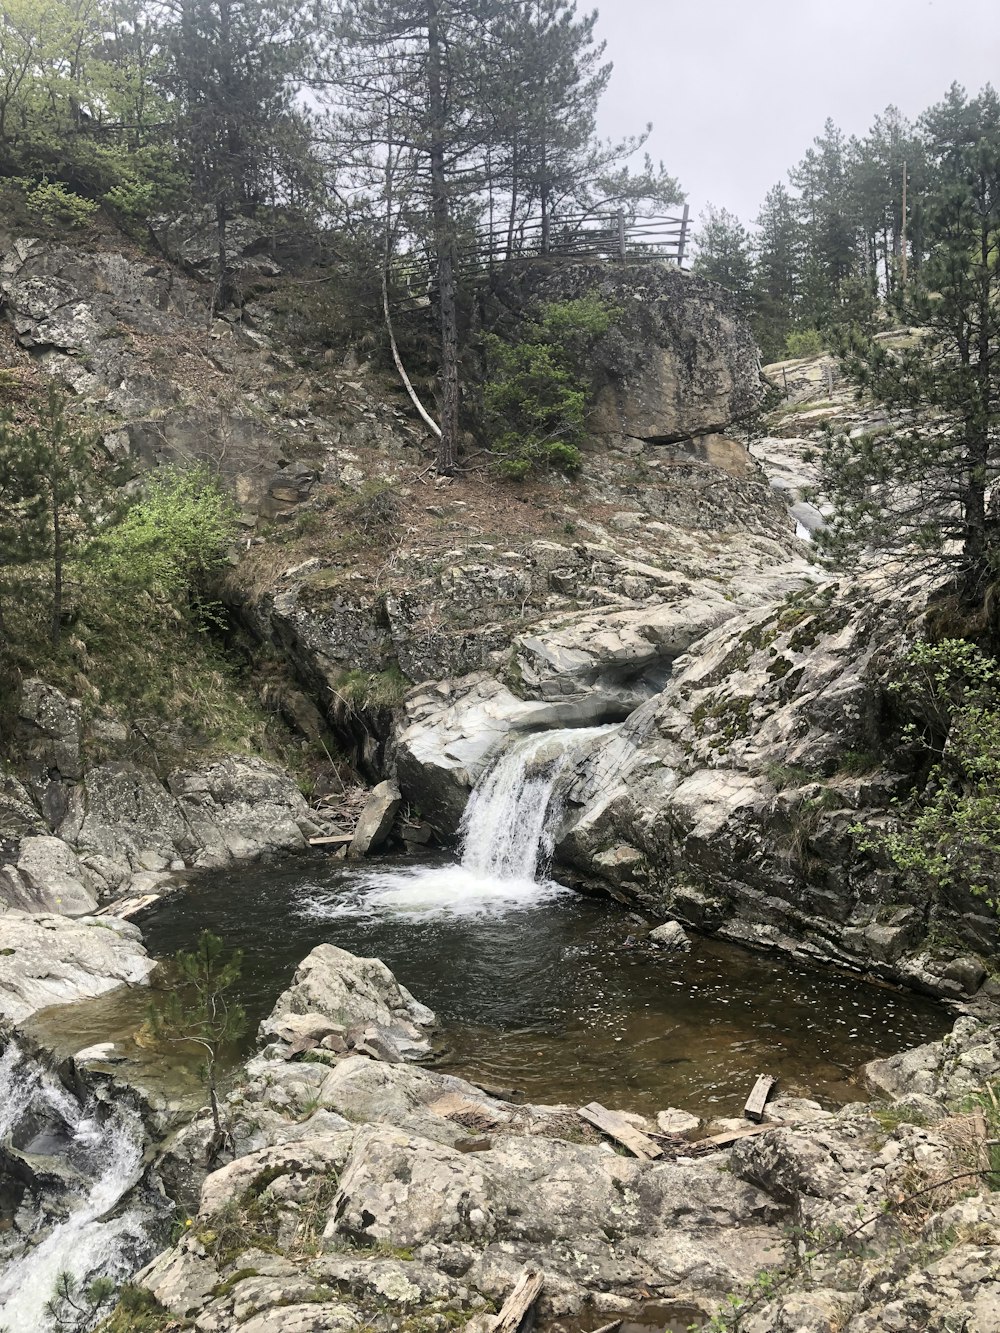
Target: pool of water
544, 991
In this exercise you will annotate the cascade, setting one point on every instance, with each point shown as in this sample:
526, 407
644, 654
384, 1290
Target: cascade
507, 829
81, 1213
506, 836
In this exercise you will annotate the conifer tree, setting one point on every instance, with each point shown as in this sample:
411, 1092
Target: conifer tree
929, 487
723, 251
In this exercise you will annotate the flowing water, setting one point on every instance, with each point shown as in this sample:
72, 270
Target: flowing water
68, 1197
536, 987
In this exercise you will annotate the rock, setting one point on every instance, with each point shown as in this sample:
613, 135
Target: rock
673, 1121
48, 729
240, 808
351, 992
376, 819
46, 877
49, 960
670, 936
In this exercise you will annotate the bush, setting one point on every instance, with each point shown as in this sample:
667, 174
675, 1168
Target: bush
948, 833
53, 203
535, 392
803, 343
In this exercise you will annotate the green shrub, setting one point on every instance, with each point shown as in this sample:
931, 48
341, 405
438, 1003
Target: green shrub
802, 343
536, 390
53, 203
947, 834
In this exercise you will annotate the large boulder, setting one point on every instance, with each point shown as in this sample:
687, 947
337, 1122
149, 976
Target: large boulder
240, 808
46, 960
46, 877
355, 993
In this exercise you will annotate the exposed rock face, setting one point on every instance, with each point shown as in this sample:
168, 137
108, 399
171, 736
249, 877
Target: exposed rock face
46, 877
355, 1194
48, 960
360, 994
727, 800
679, 363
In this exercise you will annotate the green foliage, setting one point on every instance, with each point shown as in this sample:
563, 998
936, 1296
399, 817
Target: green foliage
535, 391
947, 835
723, 251
199, 1011
170, 539
53, 203
73, 1308
803, 343
138, 1311
925, 487
363, 689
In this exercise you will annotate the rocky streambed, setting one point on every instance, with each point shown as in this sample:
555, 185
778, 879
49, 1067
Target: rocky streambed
368, 1191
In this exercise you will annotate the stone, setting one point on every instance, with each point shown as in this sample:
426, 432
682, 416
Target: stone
674, 1121
48, 729
376, 820
350, 992
48, 960
46, 877
671, 937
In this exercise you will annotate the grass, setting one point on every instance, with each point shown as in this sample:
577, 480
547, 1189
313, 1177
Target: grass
381, 689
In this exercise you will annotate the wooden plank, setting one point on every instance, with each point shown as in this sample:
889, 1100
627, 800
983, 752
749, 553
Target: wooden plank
336, 840
731, 1136
526, 1291
762, 1089
618, 1128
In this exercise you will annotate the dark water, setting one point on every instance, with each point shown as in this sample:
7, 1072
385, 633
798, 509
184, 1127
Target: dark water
544, 994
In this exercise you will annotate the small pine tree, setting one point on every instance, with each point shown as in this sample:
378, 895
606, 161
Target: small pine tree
199, 1011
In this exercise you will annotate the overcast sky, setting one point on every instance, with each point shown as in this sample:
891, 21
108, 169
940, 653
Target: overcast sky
737, 89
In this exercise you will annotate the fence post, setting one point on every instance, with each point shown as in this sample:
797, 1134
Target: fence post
622, 243
682, 242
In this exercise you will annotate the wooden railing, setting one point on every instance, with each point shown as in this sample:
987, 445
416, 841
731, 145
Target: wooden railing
609, 236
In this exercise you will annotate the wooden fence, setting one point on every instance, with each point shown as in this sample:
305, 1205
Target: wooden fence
608, 236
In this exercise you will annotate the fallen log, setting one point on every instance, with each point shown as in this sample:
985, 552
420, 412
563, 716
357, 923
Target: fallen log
614, 1124
129, 907
526, 1291
762, 1089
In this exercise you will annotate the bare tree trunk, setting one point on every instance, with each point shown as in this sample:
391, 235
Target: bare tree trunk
444, 245
57, 565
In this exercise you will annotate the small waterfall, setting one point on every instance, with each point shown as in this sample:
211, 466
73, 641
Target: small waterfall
507, 828
507, 836
69, 1170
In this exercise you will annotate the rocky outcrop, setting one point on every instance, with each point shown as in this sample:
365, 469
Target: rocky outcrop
679, 363
728, 800
46, 960
356, 1188
356, 995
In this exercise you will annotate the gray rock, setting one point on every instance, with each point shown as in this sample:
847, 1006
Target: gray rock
48, 960
376, 820
353, 993
674, 1121
670, 936
46, 877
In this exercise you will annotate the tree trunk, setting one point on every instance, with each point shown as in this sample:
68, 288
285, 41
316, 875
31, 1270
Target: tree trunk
444, 246
57, 566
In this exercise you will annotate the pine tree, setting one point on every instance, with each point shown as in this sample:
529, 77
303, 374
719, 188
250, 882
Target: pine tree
777, 272
723, 251
236, 66
928, 487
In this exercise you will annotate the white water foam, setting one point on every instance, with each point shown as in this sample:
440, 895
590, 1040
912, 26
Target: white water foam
92, 1239
507, 841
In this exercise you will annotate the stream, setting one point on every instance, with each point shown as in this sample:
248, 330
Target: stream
537, 989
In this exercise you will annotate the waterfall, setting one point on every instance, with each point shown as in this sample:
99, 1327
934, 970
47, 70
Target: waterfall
507, 829
79, 1211
507, 835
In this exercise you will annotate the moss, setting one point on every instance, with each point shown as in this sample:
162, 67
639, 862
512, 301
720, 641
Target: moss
224, 1288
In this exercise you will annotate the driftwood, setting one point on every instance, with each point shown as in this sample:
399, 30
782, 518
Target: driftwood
621, 1130
609, 1328
129, 907
336, 840
762, 1089
526, 1291
731, 1136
